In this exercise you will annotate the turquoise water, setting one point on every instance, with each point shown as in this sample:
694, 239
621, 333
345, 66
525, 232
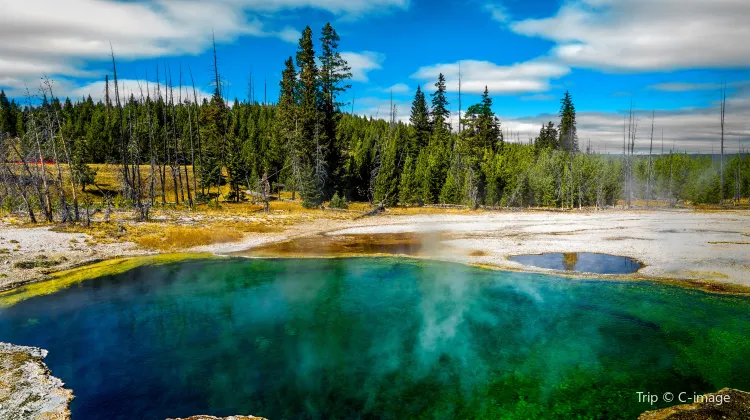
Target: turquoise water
377, 338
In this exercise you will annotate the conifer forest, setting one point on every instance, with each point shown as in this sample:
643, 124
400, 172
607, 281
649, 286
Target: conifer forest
171, 147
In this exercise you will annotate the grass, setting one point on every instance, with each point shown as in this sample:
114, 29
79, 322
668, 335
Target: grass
181, 237
173, 234
39, 263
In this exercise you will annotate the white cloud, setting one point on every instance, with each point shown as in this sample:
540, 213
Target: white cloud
498, 12
626, 35
58, 37
530, 76
695, 130
397, 88
376, 107
338, 7
289, 34
362, 63
688, 87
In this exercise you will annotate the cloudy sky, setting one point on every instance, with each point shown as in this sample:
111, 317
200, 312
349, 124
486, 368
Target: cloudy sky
666, 56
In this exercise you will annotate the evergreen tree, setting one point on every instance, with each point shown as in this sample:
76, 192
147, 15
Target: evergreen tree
286, 127
407, 187
334, 72
440, 114
213, 129
420, 122
307, 97
547, 137
386, 182
7, 117
236, 159
311, 148
451, 192
482, 127
568, 132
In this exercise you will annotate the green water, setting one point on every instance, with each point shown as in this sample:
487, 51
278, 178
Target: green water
377, 338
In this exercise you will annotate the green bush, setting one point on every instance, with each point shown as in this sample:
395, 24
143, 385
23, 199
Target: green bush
338, 202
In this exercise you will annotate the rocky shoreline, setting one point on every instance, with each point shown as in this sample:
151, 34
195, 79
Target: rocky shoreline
27, 388
728, 404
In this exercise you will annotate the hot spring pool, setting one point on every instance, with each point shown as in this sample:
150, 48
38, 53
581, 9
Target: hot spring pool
377, 337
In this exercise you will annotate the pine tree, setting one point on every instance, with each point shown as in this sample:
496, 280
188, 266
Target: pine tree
307, 96
568, 132
451, 191
311, 147
407, 187
213, 129
237, 167
386, 182
440, 114
7, 117
420, 122
286, 127
547, 137
334, 72
482, 128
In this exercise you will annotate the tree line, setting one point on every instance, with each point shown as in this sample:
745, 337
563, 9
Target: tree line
163, 136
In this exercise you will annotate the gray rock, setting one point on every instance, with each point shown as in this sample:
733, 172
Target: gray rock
28, 391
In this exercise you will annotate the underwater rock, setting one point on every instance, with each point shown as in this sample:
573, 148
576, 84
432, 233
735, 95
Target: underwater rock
27, 389
727, 404
222, 418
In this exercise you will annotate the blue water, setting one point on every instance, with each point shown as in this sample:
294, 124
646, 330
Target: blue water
584, 262
377, 338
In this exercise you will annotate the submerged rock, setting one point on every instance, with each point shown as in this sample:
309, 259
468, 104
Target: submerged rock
27, 389
202, 417
726, 404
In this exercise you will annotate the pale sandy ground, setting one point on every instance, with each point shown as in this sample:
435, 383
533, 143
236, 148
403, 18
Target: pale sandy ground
672, 244
680, 244
71, 249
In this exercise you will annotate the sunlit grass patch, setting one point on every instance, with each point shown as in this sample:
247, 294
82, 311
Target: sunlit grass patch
182, 237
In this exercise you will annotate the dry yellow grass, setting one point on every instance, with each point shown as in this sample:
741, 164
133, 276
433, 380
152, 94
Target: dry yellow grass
171, 235
182, 237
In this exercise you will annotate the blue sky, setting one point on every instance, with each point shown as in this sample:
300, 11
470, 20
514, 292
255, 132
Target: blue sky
665, 55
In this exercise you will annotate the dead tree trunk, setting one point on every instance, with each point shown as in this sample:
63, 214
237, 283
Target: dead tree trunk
723, 114
198, 131
650, 151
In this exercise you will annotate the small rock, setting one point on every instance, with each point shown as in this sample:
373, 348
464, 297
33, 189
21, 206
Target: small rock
734, 405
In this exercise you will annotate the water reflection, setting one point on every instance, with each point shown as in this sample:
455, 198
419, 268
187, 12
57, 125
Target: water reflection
584, 262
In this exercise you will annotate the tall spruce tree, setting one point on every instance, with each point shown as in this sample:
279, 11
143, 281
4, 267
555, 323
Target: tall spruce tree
334, 72
287, 127
482, 126
307, 96
440, 114
310, 146
567, 128
213, 130
420, 122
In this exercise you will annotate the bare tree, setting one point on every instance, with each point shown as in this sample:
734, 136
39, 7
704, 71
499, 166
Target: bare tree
198, 131
723, 114
650, 152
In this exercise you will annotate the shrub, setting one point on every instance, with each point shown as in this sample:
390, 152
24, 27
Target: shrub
338, 202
